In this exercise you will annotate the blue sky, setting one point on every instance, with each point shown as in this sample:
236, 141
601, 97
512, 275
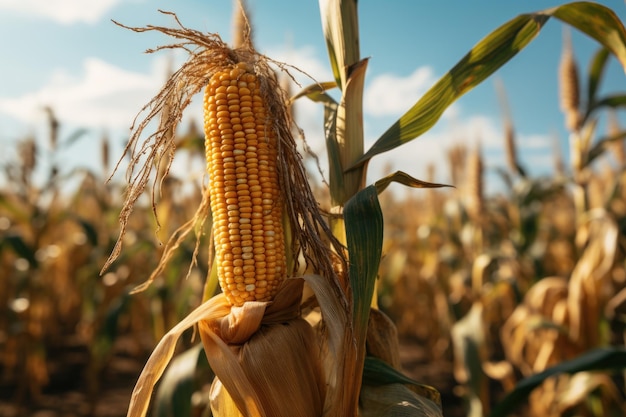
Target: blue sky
67, 54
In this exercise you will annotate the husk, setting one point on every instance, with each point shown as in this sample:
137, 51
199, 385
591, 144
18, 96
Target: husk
382, 338
266, 357
163, 352
338, 349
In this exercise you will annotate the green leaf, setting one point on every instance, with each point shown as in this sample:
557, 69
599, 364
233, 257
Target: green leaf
614, 101
602, 359
332, 148
173, 397
341, 30
404, 179
317, 92
364, 234
596, 70
377, 372
489, 55
597, 21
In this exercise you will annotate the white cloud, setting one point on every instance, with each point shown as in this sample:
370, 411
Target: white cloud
389, 94
535, 142
103, 96
61, 11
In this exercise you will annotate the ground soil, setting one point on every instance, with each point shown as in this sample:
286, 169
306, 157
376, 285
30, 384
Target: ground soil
68, 394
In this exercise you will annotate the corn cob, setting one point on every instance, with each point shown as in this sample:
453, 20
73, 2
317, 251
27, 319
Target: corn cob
246, 203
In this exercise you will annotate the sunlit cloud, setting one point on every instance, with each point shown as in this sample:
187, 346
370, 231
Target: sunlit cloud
535, 142
61, 11
104, 95
390, 94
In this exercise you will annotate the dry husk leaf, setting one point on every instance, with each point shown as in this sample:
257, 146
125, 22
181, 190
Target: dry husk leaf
382, 338
339, 349
163, 352
264, 353
266, 357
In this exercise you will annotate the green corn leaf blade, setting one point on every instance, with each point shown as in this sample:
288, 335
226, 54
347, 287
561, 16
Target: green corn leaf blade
173, 397
377, 372
332, 149
363, 219
597, 21
602, 359
596, 70
364, 237
613, 101
491, 53
404, 179
364, 234
484, 59
317, 92
341, 31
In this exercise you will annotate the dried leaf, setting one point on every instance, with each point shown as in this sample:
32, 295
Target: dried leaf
163, 352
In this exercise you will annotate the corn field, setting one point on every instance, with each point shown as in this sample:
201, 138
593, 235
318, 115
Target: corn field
257, 291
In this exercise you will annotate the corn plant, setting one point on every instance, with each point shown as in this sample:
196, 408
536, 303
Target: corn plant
295, 329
